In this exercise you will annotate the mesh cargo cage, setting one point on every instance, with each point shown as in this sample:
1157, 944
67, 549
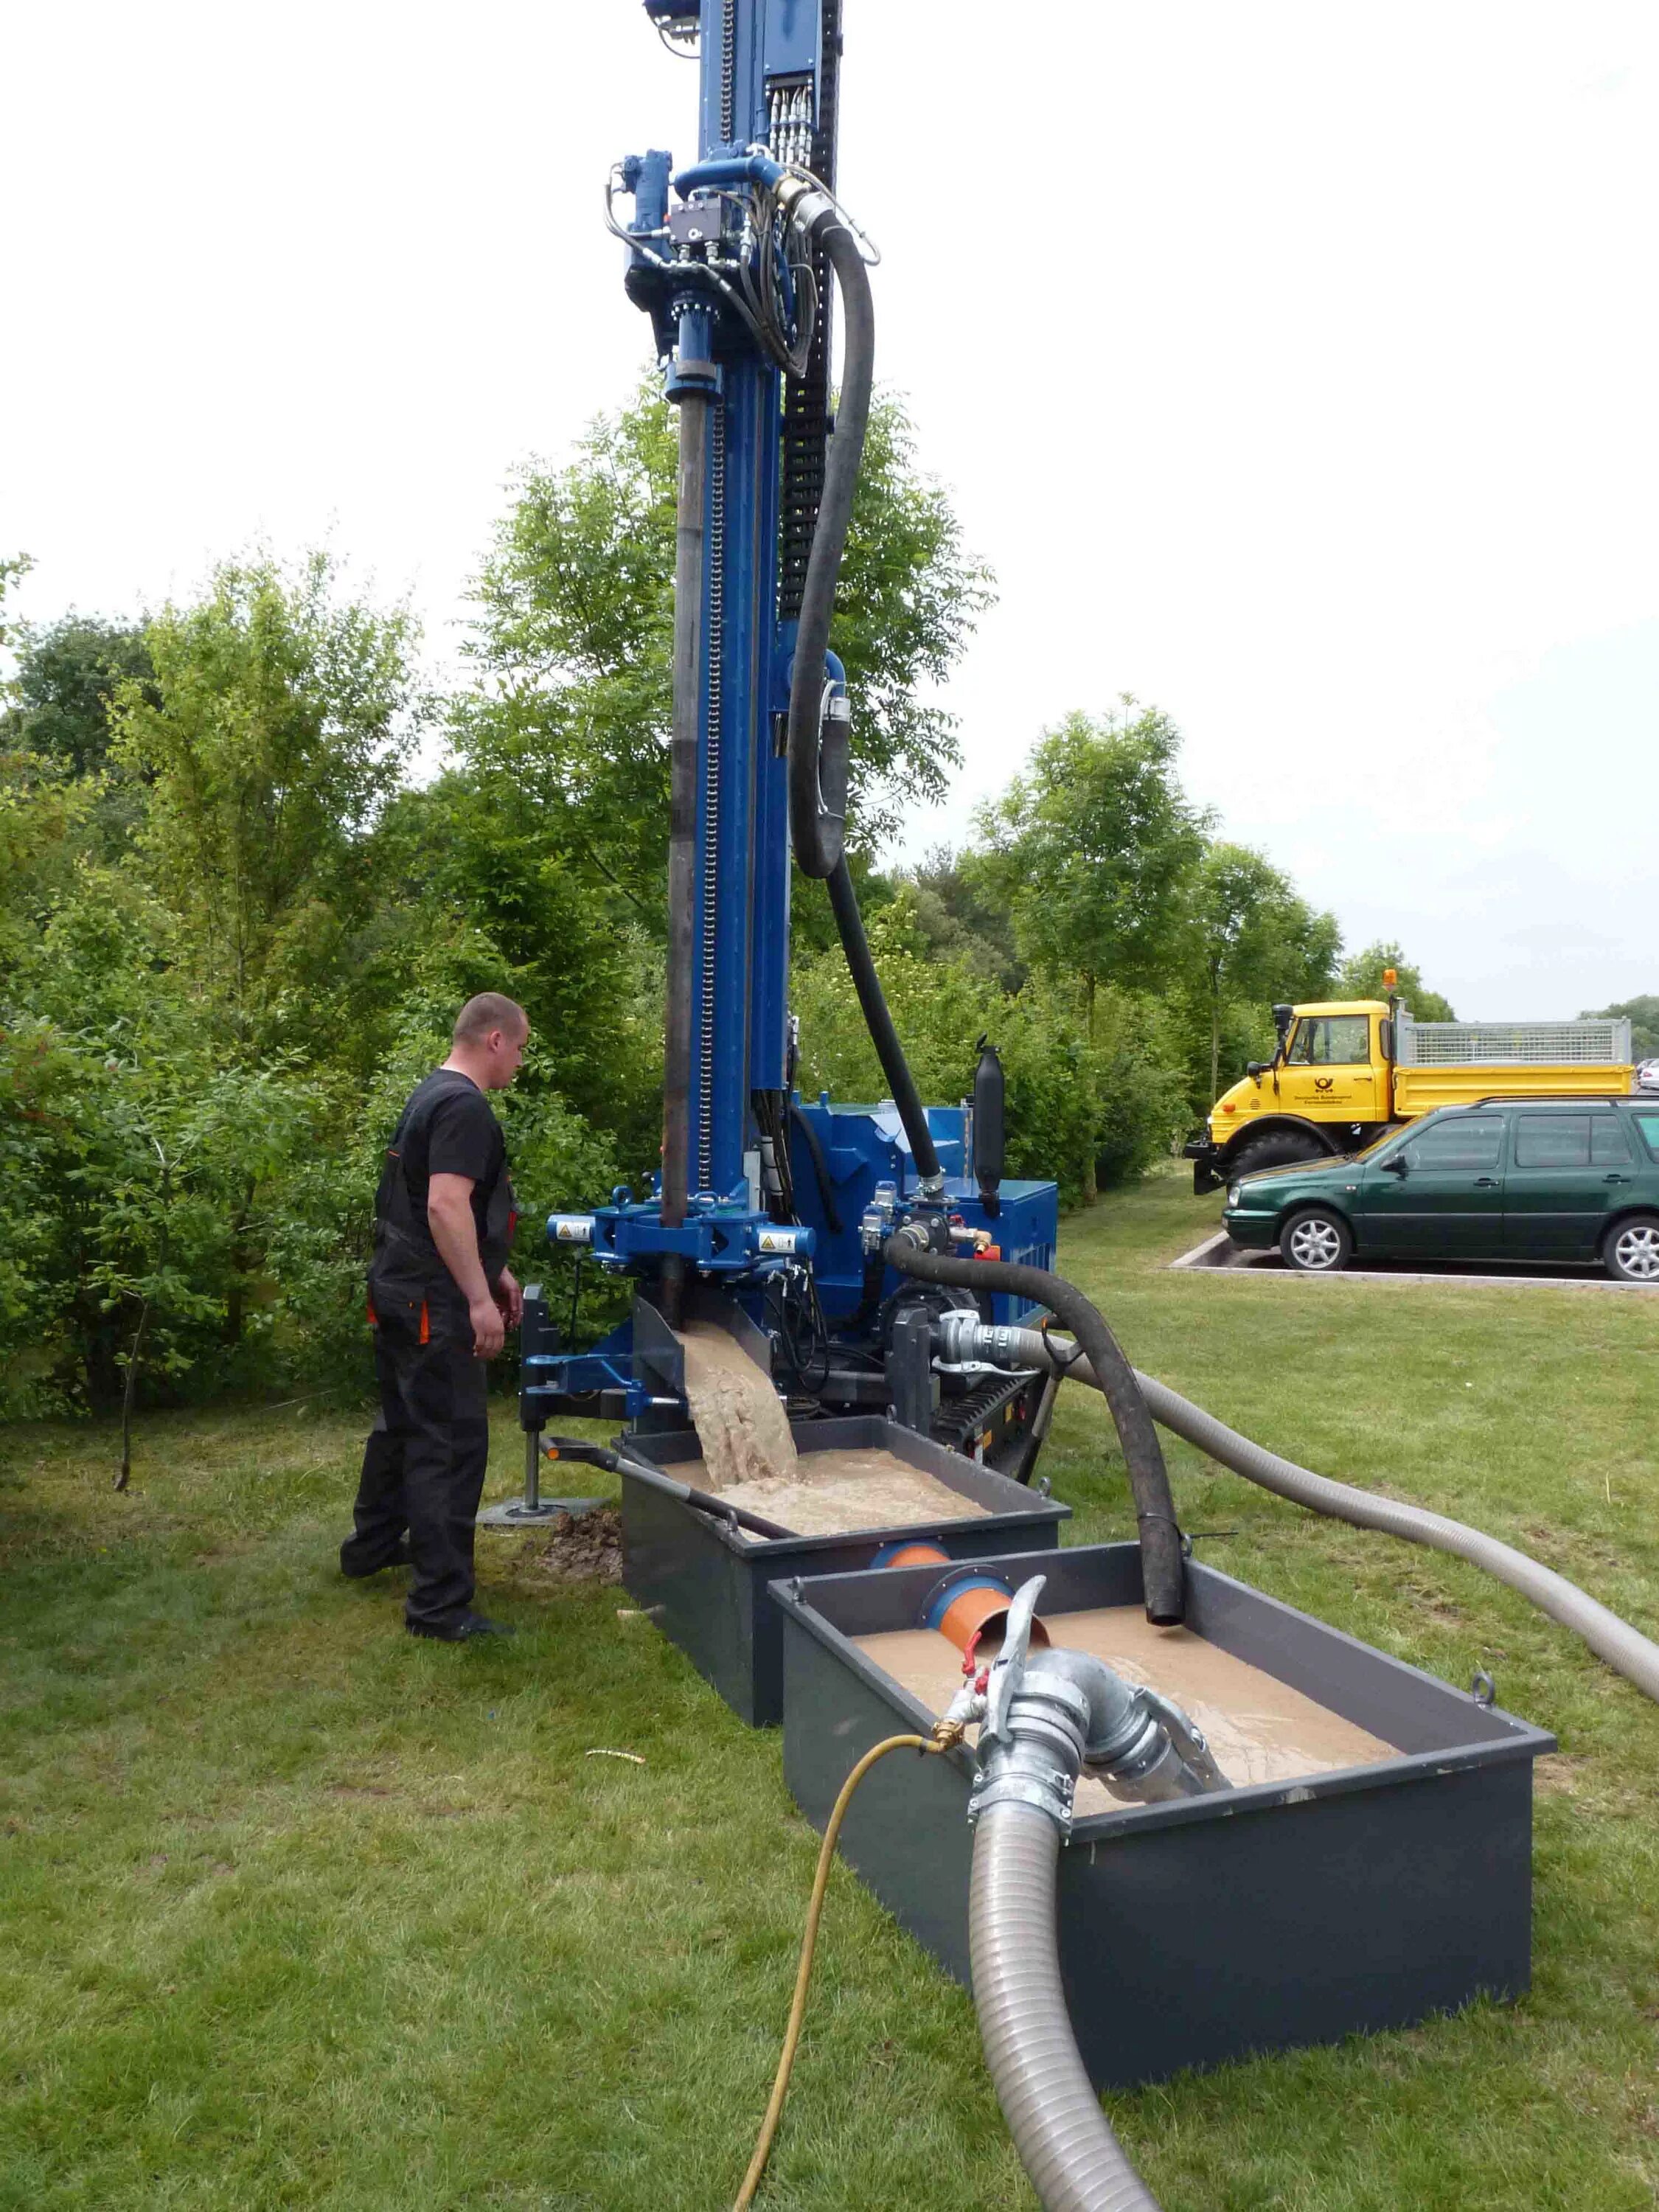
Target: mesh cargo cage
1593, 1043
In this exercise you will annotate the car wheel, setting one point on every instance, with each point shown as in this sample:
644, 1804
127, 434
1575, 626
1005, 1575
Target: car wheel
1631, 1249
1283, 1148
1315, 1241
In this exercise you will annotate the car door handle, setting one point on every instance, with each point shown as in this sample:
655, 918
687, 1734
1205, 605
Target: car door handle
1615, 1178
1490, 1183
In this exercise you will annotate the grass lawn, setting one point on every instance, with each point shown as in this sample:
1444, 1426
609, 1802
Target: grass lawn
300, 1911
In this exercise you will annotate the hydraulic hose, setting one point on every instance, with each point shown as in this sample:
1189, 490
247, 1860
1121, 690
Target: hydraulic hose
817, 816
1624, 1648
1161, 1567
818, 744
1065, 2141
843, 903
809, 1137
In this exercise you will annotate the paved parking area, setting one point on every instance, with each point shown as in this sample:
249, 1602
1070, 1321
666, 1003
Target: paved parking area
1219, 1255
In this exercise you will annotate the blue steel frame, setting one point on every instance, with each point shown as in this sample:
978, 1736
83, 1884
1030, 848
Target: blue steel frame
740, 931
739, 1024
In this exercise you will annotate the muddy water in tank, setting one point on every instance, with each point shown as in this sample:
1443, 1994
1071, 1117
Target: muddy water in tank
1258, 1727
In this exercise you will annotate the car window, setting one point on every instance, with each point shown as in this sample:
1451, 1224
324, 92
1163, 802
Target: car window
1552, 1140
1331, 1041
1609, 1147
1648, 1125
1472, 1142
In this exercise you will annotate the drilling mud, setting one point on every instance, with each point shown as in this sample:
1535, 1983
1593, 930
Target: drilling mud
739, 1419
1258, 1727
828, 1493
749, 1456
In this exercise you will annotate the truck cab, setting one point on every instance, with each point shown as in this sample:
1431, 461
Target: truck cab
1347, 1070
1328, 1088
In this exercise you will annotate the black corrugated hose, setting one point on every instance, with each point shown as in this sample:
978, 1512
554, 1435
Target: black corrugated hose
818, 769
889, 1052
1163, 1575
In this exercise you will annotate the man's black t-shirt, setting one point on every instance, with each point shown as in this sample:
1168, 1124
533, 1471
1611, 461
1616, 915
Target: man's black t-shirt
447, 1129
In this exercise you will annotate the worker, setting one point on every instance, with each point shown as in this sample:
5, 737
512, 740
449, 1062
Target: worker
440, 1300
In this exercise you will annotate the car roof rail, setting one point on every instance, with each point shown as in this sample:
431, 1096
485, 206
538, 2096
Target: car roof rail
1553, 1098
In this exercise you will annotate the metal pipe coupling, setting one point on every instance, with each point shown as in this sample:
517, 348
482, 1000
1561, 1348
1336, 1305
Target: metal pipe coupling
1047, 1718
1035, 1758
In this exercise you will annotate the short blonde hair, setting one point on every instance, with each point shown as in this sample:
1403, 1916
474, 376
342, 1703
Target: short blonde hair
490, 1010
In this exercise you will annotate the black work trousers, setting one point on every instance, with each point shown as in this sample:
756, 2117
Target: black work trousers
423, 1465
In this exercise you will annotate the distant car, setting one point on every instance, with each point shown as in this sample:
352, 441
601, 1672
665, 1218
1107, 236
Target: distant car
1521, 1179
1647, 1075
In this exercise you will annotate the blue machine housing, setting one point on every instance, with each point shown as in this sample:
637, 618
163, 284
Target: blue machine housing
864, 1146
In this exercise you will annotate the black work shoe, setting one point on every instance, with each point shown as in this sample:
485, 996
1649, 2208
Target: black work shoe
399, 1557
459, 1632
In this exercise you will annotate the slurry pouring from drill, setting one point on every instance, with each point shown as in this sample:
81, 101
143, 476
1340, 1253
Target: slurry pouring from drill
875, 1264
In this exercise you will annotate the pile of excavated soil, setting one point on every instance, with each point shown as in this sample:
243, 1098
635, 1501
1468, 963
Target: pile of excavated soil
582, 1547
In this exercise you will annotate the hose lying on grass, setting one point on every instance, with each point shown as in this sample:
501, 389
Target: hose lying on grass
1624, 1648
944, 1735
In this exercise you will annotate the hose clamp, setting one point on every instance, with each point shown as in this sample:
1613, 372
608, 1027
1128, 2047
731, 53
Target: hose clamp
1032, 1754
1049, 1794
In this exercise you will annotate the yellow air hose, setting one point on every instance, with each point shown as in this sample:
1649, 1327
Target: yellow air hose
944, 1735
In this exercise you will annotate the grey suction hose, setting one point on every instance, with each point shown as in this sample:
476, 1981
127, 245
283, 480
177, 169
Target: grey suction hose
1624, 1648
1162, 1570
1065, 2141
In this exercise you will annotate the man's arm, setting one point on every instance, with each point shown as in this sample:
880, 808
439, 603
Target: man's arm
449, 1216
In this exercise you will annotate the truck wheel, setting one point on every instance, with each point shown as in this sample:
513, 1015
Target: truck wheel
1316, 1241
1280, 1148
1630, 1249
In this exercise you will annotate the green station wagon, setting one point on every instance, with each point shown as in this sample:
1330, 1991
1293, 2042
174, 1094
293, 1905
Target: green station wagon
1536, 1179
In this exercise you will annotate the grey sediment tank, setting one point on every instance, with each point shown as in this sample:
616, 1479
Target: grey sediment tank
1256, 1918
707, 1587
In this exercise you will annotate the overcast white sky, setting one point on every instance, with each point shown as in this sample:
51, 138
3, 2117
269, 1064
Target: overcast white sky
1296, 368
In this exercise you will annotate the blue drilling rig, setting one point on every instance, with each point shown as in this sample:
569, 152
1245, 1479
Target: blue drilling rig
781, 1206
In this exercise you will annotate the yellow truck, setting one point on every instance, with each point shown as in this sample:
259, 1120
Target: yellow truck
1347, 1071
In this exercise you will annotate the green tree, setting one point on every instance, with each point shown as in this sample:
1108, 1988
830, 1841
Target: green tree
1083, 1111
1256, 940
13, 570
548, 836
908, 595
1090, 850
572, 644
1361, 977
68, 673
959, 921
1642, 1014
271, 733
